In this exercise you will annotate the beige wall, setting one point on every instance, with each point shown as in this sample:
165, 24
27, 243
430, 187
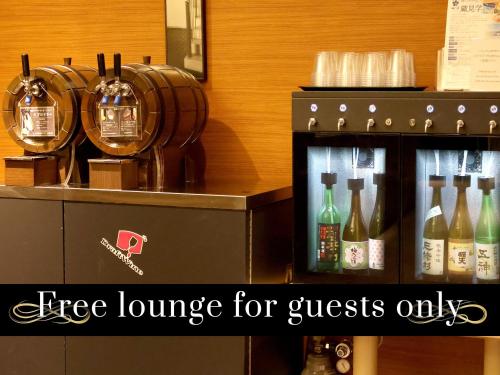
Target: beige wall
258, 52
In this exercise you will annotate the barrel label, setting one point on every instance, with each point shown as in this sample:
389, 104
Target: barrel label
119, 121
38, 121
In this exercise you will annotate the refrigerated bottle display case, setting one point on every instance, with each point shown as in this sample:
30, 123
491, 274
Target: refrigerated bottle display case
396, 186
345, 209
456, 228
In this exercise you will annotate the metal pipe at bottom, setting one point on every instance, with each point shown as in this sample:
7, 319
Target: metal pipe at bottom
365, 355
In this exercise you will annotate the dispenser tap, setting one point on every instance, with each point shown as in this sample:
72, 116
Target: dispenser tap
312, 122
370, 124
460, 125
340, 123
119, 89
428, 124
493, 125
31, 87
102, 86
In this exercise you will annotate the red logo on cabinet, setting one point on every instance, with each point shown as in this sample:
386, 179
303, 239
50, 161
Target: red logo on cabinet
130, 242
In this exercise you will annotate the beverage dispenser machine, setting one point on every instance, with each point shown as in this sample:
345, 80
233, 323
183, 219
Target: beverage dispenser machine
396, 186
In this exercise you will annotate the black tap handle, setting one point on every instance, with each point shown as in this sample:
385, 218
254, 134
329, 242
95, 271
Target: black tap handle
118, 65
26, 65
67, 61
101, 65
146, 60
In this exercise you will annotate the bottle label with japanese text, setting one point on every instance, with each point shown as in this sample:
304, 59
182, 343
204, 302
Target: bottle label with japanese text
376, 254
433, 257
487, 261
460, 255
355, 255
329, 242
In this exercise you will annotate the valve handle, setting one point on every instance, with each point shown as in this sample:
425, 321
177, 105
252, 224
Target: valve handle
26, 65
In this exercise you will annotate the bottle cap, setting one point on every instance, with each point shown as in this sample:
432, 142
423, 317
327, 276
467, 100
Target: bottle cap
329, 179
379, 179
355, 183
437, 181
461, 181
486, 183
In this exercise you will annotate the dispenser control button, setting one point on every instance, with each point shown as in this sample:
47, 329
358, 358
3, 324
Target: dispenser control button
461, 109
430, 108
494, 109
343, 108
372, 108
388, 121
314, 107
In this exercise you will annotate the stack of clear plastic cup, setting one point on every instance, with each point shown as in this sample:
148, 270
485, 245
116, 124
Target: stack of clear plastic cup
325, 69
370, 69
374, 70
401, 72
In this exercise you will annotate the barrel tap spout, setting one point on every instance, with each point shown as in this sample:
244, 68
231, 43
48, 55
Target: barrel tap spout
119, 89
102, 86
31, 87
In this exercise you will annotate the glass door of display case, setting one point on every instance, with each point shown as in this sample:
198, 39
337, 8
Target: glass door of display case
451, 203
347, 205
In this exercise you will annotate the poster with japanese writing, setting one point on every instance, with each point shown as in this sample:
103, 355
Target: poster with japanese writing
472, 33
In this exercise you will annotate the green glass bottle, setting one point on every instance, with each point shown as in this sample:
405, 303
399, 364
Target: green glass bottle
487, 236
328, 253
355, 235
461, 236
435, 241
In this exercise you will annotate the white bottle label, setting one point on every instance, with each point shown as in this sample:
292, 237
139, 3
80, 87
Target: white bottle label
433, 257
434, 211
460, 256
487, 261
376, 254
355, 255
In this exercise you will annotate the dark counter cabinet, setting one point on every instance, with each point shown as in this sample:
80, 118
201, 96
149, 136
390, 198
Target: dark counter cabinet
216, 234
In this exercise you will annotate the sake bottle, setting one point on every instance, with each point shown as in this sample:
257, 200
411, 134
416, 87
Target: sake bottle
487, 236
376, 243
328, 252
355, 236
434, 249
461, 236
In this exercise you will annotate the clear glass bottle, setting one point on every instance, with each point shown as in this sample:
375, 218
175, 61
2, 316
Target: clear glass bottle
435, 236
461, 236
355, 235
328, 236
376, 230
487, 236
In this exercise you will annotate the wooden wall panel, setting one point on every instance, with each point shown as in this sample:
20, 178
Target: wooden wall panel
431, 356
258, 53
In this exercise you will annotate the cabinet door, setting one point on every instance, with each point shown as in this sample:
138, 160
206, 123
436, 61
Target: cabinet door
332, 247
168, 245
32, 253
434, 170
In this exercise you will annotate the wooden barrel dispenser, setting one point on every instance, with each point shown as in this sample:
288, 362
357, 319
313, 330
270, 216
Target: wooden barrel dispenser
147, 119
41, 113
